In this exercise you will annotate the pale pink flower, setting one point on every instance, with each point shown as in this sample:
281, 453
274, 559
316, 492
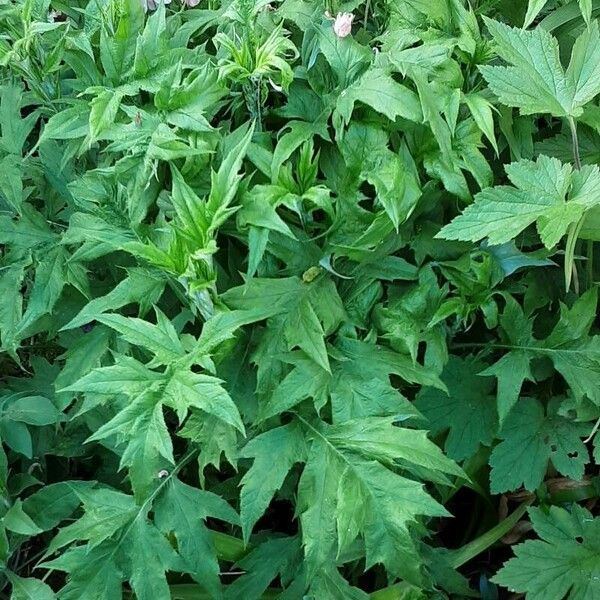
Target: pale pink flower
342, 25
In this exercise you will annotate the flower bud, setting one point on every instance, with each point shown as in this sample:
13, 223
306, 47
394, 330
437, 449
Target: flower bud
342, 25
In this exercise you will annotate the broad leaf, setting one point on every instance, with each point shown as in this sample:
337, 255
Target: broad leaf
565, 561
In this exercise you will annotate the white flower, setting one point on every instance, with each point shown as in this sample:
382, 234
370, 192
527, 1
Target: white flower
342, 25
191, 3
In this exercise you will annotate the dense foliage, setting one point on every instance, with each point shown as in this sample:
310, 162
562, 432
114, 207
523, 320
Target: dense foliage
298, 299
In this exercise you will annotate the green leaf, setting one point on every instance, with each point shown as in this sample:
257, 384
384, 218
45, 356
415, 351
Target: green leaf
17, 437
30, 230
397, 187
266, 476
583, 72
33, 410
12, 308
29, 588
148, 445
106, 512
53, 503
574, 354
511, 371
224, 183
182, 510
142, 287
546, 192
530, 439
293, 135
71, 123
11, 182
127, 376
262, 565
259, 211
17, 520
151, 43
82, 356
346, 57
536, 81
378, 90
190, 209
481, 110
513, 368
47, 288
118, 45
563, 562
112, 525
214, 436
310, 310
160, 339
104, 109
305, 330
345, 487
586, 10
533, 10
103, 582
14, 126
153, 557
467, 412
330, 584
186, 389
358, 386
317, 492
85, 228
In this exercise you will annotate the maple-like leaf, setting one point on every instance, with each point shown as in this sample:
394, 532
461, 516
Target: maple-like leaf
467, 411
563, 563
574, 353
531, 438
546, 192
536, 81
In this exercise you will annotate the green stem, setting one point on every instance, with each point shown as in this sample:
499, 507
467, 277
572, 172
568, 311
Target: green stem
575, 143
570, 268
477, 546
589, 267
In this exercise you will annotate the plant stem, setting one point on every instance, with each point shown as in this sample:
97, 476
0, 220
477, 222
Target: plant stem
577, 163
575, 143
589, 267
472, 549
367, 6
571, 251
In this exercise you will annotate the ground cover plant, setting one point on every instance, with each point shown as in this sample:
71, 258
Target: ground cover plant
298, 299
